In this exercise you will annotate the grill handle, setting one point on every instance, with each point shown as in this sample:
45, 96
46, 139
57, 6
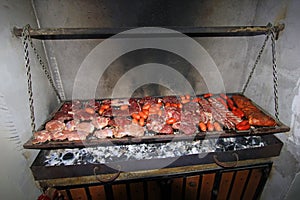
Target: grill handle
225, 164
106, 180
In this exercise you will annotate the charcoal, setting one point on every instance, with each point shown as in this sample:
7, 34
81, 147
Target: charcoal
119, 153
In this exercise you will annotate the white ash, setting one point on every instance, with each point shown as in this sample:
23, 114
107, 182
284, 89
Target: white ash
117, 153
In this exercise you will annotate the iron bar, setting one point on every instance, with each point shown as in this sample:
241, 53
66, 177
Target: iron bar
102, 33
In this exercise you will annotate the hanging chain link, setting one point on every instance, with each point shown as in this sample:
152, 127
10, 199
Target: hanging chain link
256, 62
44, 68
26, 41
271, 32
275, 77
25, 34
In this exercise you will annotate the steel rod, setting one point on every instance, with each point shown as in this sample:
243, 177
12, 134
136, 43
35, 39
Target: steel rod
102, 33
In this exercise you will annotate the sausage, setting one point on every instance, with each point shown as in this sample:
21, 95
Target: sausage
185, 101
217, 126
101, 110
146, 107
174, 105
167, 104
171, 121
243, 125
146, 112
224, 96
135, 116
207, 95
237, 112
124, 107
105, 106
143, 115
210, 126
243, 128
231, 104
222, 101
195, 100
241, 113
142, 122
202, 126
135, 121
90, 110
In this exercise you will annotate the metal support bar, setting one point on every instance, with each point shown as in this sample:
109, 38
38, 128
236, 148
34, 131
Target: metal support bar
102, 33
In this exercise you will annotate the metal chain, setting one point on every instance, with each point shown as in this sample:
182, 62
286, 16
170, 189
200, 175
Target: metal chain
25, 34
275, 77
44, 68
256, 62
272, 32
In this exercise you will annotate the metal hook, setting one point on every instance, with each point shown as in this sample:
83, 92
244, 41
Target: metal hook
224, 164
108, 180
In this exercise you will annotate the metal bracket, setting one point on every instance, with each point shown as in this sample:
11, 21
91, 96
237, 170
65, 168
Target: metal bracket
102, 33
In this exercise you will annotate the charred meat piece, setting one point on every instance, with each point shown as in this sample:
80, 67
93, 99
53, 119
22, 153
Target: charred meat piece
60, 135
186, 128
82, 115
166, 129
133, 130
254, 115
71, 125
75, 135
134, 106
155, 123
149, 100
118, 112
95, 105
100, 122
104, 133
63, 116
226, 117
66, 107
41, 137
54, 126
85, 127
173, 112
171, 99
120, 121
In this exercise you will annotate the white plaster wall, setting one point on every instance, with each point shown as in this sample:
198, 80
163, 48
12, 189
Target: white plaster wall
16, 179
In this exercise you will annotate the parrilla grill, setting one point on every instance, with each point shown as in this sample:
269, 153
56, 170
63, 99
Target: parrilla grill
153, 120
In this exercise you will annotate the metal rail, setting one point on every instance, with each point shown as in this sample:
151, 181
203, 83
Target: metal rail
102, 33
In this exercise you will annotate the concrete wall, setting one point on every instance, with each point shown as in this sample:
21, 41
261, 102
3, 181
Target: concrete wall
16, 179
261, 89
